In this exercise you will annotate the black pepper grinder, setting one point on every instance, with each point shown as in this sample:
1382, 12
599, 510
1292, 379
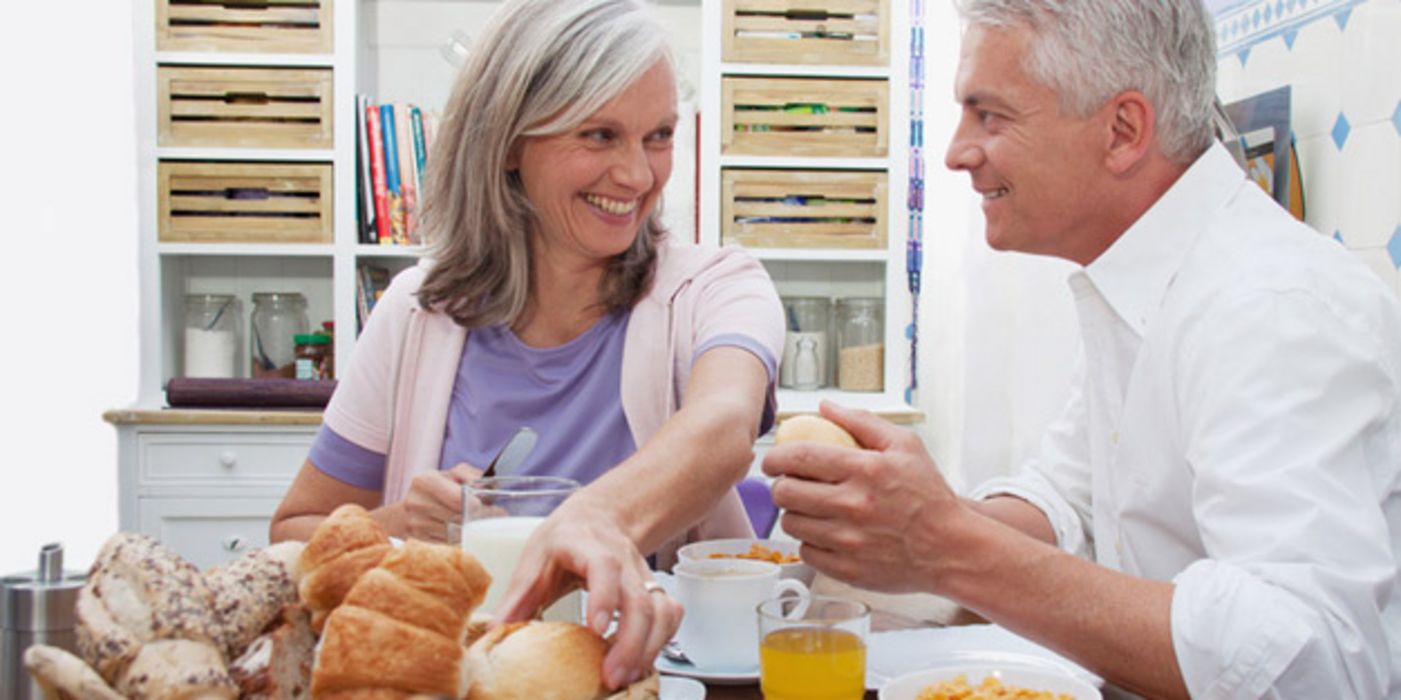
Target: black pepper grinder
36, 608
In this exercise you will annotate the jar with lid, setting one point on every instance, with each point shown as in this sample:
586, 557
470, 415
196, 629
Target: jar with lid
805, 347
277, 319
313, 356
860, 344
212, 325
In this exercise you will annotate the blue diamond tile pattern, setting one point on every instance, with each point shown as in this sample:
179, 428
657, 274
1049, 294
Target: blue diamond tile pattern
1341, 129
1289, 38
1338, 236
1342, 17
1396, 118
1393, 247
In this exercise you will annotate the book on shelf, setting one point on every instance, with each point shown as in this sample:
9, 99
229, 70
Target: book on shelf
378, 185
391, 174
408, 174
370, 282
364, 185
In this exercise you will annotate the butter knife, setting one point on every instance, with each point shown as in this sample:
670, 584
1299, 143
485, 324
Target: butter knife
513, 454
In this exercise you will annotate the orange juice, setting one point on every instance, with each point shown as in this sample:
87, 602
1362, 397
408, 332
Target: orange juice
812, 663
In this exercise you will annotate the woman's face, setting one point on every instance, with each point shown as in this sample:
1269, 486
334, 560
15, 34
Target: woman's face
593, 186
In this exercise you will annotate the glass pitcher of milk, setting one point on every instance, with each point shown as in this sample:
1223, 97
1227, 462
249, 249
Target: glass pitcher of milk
499, 513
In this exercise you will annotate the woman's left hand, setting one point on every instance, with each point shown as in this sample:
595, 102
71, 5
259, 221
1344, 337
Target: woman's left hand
577, 544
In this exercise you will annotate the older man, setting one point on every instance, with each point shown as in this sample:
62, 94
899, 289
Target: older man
1215, 513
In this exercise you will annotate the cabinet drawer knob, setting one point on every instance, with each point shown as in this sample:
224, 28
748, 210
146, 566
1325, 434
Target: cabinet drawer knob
228, 459
235, 543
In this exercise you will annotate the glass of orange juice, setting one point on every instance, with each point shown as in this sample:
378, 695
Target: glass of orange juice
813, 648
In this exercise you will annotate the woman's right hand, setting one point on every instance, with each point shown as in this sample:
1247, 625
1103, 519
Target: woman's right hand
435, 500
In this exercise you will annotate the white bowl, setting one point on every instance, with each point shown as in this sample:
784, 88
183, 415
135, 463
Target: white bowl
908, 686
704, 549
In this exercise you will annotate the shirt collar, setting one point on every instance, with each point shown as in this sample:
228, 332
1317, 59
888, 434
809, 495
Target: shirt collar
1134, 273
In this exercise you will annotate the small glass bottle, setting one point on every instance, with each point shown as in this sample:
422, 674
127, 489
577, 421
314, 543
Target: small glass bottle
860, 344
212, 324
277, 319
804, 364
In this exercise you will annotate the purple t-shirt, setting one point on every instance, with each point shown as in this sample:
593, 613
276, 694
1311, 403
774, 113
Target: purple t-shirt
570, 394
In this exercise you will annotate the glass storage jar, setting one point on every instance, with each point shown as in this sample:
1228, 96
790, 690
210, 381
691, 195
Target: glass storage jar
277, 319
313, 356
805, 346
212, 325
860, 344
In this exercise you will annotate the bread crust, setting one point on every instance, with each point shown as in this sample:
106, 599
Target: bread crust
368, 649
250, 592
64, 676
176, 669
506, 664
813, 428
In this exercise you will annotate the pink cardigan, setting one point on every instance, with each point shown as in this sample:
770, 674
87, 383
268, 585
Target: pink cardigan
407, 359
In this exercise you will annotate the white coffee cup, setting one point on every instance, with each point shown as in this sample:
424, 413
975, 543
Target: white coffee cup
719, 629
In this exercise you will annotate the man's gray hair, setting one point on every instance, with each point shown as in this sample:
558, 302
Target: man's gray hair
540, 67
1090, 50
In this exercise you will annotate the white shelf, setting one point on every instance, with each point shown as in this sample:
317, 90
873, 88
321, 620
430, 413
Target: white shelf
272, 60
368, 250
813, 163
801, 71
792, 401
249, 249
298, 155
820, 255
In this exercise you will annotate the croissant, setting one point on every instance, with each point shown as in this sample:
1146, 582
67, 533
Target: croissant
345, 545
401, 626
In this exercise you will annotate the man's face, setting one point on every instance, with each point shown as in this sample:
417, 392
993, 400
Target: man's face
1036, 168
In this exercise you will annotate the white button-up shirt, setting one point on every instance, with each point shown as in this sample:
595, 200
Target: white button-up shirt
1235, 427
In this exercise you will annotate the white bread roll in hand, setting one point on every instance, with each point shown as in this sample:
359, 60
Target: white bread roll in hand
813, 428
345, 545
401, 627
545, 661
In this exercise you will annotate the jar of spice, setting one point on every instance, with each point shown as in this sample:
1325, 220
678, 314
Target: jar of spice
277, 319
860, 344
313, 356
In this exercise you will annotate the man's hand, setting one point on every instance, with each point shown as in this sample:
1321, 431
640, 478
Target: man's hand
870, 517
580, 544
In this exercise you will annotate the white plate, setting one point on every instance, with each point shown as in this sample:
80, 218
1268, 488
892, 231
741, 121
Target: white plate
718, 676
675, 688
896, 653
908, 686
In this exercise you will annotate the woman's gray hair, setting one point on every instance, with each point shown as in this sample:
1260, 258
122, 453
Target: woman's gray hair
1090, 50
541, 67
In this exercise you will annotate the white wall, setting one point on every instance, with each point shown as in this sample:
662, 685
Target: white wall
70, 339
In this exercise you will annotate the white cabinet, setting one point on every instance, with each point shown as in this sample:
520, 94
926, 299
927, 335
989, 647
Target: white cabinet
207, 482
804, 161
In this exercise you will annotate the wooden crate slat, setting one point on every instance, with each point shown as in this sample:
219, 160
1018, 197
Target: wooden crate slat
807, 26
834, 6
838, 136
832, 190
818, 210
214, 14
792, 119
272, 205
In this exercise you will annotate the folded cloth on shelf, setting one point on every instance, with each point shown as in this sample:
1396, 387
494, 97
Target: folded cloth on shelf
194, 392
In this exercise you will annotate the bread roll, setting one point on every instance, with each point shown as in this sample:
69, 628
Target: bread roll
177, 669
277, 665
250, 592
813, 428
544, 661
63, 676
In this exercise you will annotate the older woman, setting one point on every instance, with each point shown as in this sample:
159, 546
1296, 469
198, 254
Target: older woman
553, 298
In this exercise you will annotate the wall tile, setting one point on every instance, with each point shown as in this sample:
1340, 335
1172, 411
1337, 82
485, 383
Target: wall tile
1372, 201
1371, 80
1322, 169
1315, 70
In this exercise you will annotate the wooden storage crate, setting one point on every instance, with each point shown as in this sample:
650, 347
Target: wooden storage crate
826, 32
244, 107
804, 117
259, 26
245, 202
803, 208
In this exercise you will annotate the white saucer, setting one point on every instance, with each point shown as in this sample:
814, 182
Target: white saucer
718, 676
674, 688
